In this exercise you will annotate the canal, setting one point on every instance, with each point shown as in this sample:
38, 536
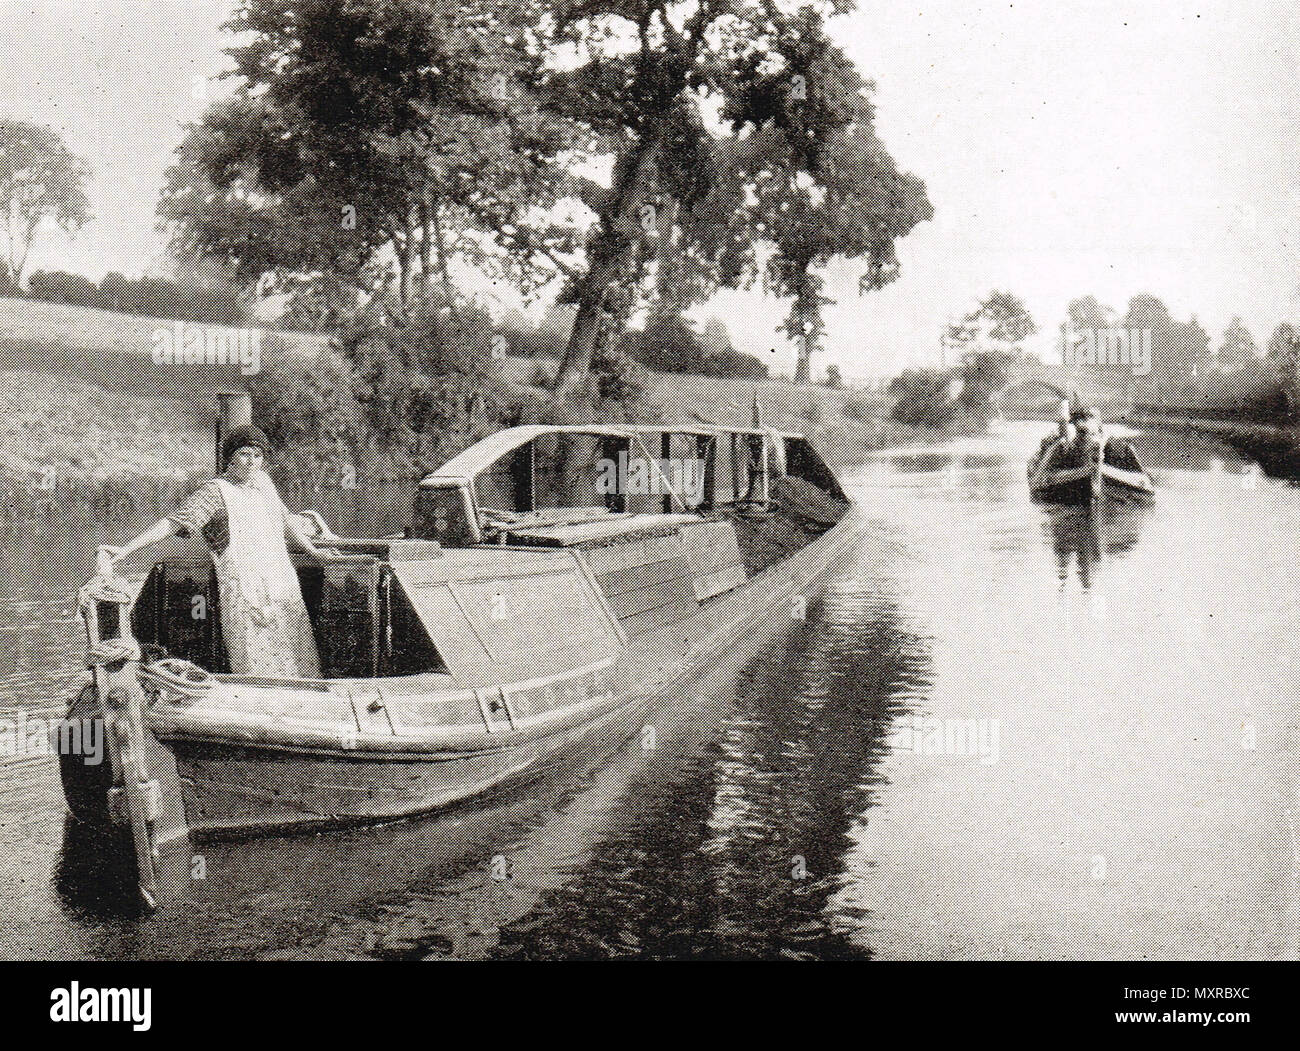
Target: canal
1005, 731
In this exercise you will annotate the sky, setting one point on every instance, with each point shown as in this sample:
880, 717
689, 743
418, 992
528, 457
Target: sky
1069, 148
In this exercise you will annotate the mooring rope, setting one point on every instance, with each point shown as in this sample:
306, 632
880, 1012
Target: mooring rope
177, 676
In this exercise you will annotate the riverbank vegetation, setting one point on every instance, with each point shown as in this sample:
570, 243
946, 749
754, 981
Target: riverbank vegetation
88, 415
1233, 391
1189, 376
987, 342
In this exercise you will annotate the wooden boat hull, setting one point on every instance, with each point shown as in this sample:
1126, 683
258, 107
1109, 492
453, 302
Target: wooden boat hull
1088, 484
265, 778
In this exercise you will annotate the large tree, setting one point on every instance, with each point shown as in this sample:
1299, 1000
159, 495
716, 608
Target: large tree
365, 135
666, 83
41, 182
1238, 348
1180, 350
855, 206
786, 205
1001, 323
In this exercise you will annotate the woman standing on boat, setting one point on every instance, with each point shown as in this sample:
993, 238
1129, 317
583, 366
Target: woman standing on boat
264, 622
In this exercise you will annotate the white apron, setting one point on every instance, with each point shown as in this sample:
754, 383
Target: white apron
263, 619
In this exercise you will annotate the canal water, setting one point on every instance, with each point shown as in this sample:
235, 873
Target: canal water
1005, 731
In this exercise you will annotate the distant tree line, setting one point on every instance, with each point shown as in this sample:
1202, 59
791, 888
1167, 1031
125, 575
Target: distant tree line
1188, 372
217, 303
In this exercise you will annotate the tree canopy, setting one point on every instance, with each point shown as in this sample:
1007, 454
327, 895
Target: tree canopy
733, 124
364, 138
371, 142
1238, 347
41, 181
1001, 322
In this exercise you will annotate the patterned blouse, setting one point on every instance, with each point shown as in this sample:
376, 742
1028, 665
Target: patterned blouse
204, 513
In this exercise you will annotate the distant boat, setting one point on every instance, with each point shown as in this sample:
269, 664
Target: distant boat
1114, 474
535, 612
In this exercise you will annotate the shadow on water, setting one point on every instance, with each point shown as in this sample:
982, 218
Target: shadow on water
95, 875
1087, 538
736, 852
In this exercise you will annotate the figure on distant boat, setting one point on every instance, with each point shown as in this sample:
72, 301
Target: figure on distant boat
1081, 435
264, 621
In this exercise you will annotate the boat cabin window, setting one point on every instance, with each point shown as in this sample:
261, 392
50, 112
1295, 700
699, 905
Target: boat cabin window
567, 471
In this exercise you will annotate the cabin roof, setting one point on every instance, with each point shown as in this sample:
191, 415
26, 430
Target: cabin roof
477, 458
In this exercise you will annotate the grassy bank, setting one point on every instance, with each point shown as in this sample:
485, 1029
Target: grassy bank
1276, 448
87, 411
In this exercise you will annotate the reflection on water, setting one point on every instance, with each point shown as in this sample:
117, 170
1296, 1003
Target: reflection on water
779, 816
1085, 537
738, 852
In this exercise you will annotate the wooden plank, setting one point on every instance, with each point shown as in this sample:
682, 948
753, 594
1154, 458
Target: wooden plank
274, 705
554, 516
678, 592
370, 707
620, 580
711, 545
588, 532
458, 644
470, 563
413, 550
649, 619
638, 552
511, 625
707, 585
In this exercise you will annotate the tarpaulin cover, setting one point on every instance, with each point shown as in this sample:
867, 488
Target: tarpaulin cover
501, 616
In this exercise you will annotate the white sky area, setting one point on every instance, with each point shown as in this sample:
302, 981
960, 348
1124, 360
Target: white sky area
1069, 147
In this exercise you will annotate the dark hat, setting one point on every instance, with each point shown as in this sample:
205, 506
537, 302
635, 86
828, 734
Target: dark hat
246, 436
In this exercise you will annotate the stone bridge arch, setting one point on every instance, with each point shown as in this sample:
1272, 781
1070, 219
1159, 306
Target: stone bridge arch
1032, 385
1035, 381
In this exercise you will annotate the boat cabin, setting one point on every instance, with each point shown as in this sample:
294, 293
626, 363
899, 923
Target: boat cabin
534, 542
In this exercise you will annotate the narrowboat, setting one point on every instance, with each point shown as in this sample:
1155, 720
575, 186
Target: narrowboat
554, 585
1113, 473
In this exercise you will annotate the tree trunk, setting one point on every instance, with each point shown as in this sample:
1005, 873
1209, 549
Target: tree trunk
802, 371
576, 363
406, 264
806, 315
21, 264
426, 248
443, 265
609, 256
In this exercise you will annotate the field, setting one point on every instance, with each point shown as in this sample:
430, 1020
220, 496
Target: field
84, 403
